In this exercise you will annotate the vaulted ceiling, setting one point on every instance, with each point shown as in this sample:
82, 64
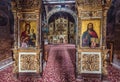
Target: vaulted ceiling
49, 5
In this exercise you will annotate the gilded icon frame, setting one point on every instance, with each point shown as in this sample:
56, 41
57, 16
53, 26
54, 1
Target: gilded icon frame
97, 27
21, 29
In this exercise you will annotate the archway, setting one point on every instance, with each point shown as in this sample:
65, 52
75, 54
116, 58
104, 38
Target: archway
53, 11
62, 17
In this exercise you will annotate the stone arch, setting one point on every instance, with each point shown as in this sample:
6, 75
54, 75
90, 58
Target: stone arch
53, 11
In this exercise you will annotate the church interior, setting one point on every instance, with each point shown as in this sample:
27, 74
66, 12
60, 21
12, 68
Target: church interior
59, 41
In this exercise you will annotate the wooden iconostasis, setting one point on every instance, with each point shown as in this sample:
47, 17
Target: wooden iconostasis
60, 30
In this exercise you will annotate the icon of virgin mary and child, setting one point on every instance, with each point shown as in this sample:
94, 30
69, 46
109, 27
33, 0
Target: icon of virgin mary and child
28, 37
90, 37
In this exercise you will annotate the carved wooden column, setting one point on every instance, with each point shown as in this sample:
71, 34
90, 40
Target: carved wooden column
38, 30
105, 7
15, 29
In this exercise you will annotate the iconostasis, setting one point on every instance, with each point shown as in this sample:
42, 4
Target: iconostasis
61, 30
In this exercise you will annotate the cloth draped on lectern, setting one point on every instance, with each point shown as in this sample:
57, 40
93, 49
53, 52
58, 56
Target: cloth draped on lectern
60, 66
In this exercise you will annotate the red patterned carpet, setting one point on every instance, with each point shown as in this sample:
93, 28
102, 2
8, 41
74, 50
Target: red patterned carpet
60, 68
113, 74
6, 75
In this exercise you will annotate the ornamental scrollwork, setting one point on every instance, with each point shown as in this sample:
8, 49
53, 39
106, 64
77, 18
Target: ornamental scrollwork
90, 62
28, 62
